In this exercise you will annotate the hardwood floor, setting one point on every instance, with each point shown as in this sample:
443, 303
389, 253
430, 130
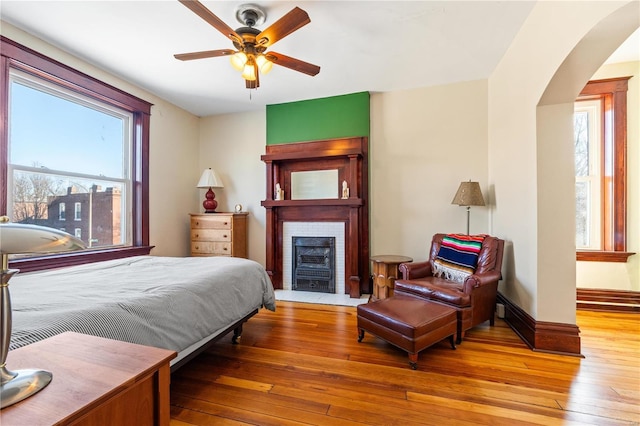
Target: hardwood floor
303, 365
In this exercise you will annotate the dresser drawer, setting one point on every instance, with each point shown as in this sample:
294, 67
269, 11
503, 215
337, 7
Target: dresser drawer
210, 248
219, 234
211, 222
210, 235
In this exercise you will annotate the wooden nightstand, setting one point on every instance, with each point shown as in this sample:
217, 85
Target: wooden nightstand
219, 234
96, 381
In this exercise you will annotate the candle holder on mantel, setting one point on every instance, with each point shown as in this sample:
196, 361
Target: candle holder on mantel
279, 195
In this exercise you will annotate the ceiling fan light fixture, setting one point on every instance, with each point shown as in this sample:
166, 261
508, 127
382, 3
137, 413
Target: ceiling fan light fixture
249, 57
249, 71
238, 60
264, 64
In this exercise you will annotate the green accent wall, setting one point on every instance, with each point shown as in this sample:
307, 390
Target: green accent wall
318, 119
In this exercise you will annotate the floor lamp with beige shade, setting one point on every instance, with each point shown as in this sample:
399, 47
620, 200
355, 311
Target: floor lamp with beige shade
468, 194
17, 238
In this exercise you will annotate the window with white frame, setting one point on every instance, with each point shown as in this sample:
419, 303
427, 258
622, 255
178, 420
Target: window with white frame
61, 212
588, 164
78, 233
77, 150
77, 212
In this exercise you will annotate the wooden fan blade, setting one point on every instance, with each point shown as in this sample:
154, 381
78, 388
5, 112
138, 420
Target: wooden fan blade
199, 9
293, 63
204, 54
295, 19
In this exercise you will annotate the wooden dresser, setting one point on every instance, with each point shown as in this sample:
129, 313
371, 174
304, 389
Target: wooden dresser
219, 234
96, 381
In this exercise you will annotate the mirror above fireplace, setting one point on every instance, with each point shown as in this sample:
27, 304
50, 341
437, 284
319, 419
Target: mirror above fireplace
314, 185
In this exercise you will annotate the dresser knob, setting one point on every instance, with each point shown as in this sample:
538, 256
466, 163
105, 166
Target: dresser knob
197, 235
226, 223
225, 249
224, 236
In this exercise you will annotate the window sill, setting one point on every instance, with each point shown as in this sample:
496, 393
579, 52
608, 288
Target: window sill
76, 258
603, 256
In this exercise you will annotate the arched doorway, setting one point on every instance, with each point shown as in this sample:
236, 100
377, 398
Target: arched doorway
531, 96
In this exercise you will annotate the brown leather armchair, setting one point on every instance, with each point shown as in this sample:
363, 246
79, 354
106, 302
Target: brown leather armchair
474, 299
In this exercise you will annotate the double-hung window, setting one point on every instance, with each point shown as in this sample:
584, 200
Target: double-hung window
68, 149
77, 212
21, 208
588, 146
73, 142
600, 135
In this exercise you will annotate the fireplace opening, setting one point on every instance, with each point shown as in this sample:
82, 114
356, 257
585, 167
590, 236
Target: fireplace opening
313, 264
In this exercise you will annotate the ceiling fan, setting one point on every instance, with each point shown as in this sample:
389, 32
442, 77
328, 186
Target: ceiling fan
251, 44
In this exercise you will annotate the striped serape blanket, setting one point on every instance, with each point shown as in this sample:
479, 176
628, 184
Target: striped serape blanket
457, 257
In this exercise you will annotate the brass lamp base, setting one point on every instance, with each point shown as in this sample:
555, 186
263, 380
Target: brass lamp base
23, 238
21, 384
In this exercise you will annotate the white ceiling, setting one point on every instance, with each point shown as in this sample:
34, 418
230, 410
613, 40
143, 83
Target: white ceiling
373, 46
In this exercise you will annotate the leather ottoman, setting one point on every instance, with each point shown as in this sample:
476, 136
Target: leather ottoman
409, 323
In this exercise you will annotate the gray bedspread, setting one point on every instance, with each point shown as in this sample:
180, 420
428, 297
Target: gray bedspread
167, 302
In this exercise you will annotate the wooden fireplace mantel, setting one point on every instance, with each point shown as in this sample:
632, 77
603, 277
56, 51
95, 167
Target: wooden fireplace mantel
350, 156
313, 203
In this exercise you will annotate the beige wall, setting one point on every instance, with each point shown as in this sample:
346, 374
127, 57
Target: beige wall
534, 191
232, 145
173, 164
423, 144
622, 276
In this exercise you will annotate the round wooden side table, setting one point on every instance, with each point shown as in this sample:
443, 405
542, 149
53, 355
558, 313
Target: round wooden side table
385, 273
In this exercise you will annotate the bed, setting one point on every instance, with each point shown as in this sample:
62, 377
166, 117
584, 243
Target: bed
177, 303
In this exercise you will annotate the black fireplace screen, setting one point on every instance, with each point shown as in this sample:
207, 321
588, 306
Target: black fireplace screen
314, 264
